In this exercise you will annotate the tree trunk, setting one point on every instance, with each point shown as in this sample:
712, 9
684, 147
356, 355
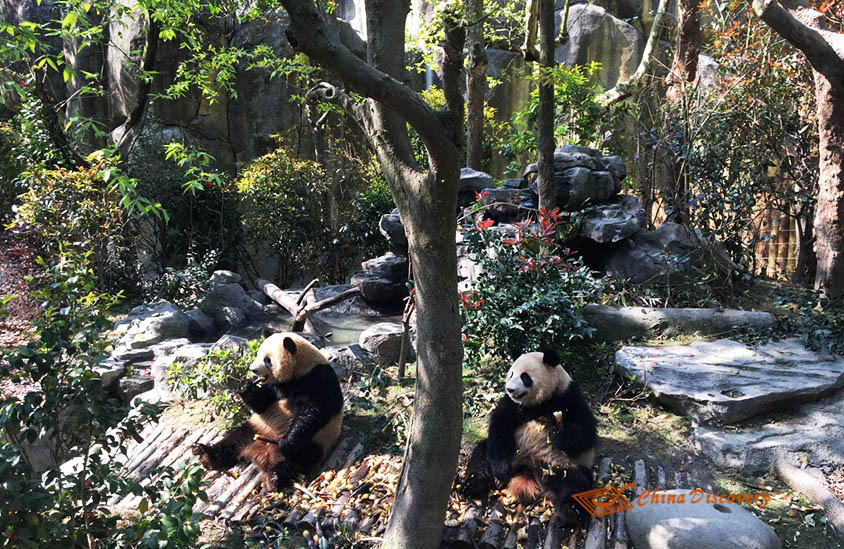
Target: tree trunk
545, 115
829, 215
427, 203
689, 41
806, 29
475, 86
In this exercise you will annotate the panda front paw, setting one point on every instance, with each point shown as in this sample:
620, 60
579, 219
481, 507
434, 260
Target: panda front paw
245, 387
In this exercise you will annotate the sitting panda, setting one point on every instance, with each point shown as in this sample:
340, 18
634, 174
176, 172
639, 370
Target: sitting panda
542, 436
297, 411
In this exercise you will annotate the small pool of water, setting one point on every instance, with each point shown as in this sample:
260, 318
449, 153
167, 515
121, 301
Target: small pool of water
344, 329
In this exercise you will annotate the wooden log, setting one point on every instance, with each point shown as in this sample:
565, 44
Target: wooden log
534, 533
234, 488
491, 538
286, 301
809, 483
640, 476
304, 313
468, 528
242, 497
512, 538
554, 535
620, 534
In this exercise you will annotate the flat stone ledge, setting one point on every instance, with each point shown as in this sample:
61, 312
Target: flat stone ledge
725, 381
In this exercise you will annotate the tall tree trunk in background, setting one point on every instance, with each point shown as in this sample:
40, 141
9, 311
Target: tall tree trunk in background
427, 203
683, 72
545, 113
806, 29
475, 85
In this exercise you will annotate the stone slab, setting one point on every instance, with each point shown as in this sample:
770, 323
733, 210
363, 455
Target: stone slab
814, 432
725, 381
696, 523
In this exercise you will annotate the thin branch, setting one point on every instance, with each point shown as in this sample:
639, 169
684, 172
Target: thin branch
633, 85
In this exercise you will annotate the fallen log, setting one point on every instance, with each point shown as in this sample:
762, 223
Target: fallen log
808, 483
287, 302
302, 316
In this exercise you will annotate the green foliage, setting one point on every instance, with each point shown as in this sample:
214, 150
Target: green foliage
11, 166
75, 205
817, 319
71, 415
202, 208
171, 523
578, 118
288, 213
287, 200
184, 287
530, 294
213, 377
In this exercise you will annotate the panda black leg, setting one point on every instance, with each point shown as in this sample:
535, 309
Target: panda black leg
478, 479
225, 453
291, 466
563, 485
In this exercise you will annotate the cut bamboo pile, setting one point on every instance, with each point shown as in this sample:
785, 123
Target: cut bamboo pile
352, 495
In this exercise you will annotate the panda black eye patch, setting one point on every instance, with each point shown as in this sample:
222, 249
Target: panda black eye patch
526, 379
267, 360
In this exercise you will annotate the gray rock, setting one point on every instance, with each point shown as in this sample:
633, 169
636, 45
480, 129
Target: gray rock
813, 432
228, 317
110, 370
223, 295
571, 156
188, 355
383, 341
129, 355
224, 277
503, 203
614, 221
472, 182
374, 288
671, 252
696, 523
391, 227
356, 306
616, 166
622, 323
388, 266
513, 183
725, 382
595, 35
346, 359
230, 343
579, 185
130, 387
146, 325
201, 324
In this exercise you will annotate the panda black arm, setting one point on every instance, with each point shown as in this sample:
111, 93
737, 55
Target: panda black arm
256, 396
579, 431
316, 398
501, 440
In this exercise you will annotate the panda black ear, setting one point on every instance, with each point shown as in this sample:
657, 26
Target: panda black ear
551, 358
290, 345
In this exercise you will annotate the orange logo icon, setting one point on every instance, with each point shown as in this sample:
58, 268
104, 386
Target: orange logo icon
605, 500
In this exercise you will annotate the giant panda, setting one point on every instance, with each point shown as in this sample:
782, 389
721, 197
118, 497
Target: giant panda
297, 411
541, 438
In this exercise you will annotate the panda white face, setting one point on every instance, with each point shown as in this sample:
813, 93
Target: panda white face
530, 381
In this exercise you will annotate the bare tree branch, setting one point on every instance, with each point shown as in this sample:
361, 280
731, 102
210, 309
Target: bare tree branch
803, 27
634, 84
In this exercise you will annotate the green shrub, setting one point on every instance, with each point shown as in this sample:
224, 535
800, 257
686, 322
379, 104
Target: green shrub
76, 206
11, 166
816, 319
184, 287
213, 377
530, 293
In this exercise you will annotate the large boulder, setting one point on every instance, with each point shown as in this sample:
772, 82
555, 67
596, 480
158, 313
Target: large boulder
595, 35
725, 381
691, 521
506, 204
613, 221
377, 289
472, 182
813, 433
388, 266
146, 325
391, 227
383, 341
